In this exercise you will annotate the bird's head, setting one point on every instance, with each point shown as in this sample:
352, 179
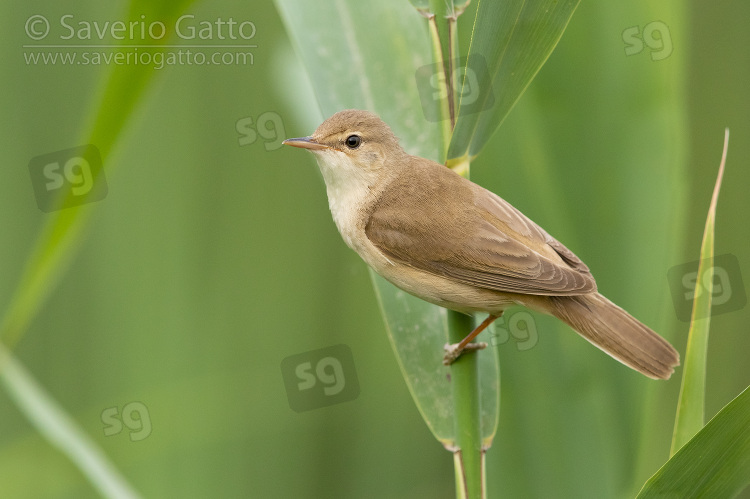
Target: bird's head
353, 144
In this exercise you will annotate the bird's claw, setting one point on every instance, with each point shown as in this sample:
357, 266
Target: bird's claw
453, 352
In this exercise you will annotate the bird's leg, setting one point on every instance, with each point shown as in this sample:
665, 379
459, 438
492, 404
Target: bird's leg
454, 351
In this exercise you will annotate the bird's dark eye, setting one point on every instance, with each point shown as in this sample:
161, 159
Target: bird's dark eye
353, 141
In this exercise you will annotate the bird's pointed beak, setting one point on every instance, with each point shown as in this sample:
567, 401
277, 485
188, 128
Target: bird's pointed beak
305, 143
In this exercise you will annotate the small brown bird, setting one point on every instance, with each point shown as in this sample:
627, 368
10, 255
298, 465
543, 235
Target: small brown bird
448, 241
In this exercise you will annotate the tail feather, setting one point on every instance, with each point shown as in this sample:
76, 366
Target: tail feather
617, 333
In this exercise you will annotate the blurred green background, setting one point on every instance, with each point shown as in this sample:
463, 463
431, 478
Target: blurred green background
209, 262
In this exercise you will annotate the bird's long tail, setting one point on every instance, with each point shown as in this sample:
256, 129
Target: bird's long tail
617, 333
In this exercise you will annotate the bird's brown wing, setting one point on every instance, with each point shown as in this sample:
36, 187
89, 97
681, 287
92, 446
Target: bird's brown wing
478, 239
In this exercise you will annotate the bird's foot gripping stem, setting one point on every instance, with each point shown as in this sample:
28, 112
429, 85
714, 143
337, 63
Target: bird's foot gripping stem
454, 351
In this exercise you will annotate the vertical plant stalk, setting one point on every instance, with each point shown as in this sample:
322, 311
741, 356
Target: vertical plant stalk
469, 454
445, 123
442, 22
691, 405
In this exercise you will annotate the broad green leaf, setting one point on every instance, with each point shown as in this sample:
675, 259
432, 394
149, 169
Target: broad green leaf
513, 39
420, 359
352, 66
691, 405
714, 463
